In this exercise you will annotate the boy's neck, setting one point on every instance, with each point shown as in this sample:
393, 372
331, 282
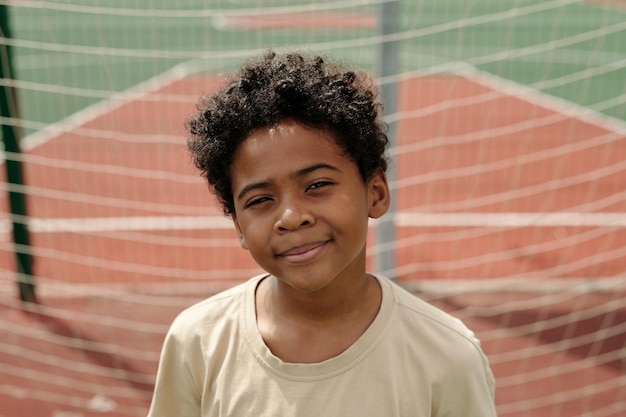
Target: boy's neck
314, 327
327, 305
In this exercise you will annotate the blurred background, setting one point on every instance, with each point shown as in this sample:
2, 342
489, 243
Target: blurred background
508, 128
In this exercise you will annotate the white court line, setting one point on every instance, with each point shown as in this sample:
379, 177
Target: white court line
511, 220
402, 219
146, 223
100, 108
198, 13
538, 98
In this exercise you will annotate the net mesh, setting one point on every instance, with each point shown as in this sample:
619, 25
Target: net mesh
508, 172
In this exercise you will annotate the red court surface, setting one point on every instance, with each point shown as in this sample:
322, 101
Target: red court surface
109, 290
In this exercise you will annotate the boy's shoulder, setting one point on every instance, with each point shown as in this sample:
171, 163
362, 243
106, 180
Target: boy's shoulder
424, 317
221, 307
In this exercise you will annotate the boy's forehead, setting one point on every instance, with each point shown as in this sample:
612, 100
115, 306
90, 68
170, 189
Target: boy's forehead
289, 127
288, 145
283, 128
284, 137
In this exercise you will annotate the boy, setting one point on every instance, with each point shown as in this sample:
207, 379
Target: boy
294, 148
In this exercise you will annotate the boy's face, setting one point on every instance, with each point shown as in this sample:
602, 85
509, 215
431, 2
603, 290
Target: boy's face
302, 207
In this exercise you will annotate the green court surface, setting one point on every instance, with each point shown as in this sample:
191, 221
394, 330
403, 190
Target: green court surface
73, 54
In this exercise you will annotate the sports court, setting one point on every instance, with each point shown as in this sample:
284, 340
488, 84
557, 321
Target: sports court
509, 165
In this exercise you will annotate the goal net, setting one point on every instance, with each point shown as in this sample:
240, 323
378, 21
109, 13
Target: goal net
508, 165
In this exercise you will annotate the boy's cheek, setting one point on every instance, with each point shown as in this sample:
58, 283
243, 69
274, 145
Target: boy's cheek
240, 235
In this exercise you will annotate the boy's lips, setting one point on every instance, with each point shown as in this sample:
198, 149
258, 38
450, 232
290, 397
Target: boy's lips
303, 252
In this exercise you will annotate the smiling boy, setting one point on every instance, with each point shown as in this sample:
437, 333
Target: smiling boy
294, 149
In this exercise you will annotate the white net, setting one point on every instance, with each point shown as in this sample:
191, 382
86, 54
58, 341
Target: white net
508, 173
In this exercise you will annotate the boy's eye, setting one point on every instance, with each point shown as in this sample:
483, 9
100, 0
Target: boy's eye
257, 201
319, 184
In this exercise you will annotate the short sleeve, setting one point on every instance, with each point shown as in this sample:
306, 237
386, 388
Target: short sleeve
176, 392
468, 390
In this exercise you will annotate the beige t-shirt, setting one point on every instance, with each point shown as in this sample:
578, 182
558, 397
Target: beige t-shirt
414, 360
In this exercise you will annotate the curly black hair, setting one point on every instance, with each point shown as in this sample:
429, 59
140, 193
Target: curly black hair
273, 88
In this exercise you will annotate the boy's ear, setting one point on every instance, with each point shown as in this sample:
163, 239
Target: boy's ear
378, 193
242, 239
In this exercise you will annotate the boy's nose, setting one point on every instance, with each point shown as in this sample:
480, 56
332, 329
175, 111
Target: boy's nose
292, 218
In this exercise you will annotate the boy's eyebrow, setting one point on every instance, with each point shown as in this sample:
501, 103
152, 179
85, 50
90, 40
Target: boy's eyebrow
251, 187
300, 173
312, 168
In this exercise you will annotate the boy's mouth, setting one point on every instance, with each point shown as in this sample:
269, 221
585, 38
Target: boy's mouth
302, 253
